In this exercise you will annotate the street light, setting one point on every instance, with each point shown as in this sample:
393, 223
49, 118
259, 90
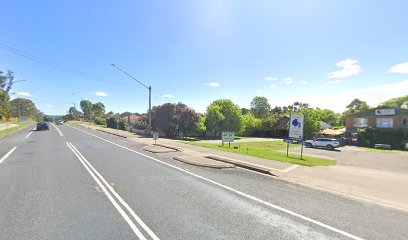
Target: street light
150, 94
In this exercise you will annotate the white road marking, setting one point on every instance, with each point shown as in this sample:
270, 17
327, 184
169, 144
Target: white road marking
307, 219
59, 131
290, 168
28, 135
7, 154
111, 199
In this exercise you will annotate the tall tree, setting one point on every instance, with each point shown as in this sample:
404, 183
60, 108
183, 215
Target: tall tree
86, 107
98, 109
399, 102
22, 107
311, 122
223, 115
260, 107
6, 82
75, 113
356, 106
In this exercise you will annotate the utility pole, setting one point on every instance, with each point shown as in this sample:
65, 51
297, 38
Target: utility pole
150, 94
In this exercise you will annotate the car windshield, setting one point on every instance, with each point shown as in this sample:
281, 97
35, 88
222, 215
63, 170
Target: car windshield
204, 119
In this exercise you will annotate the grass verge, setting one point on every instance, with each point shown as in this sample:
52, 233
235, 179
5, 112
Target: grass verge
13, 129
267, 150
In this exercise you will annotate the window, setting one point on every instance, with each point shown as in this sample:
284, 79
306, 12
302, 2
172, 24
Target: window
405, 122
385, 122
360, 122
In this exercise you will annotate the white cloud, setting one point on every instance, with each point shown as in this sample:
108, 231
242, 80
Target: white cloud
167, 96
49, 105
259, 91
399, 68
270, 78
333, 82
288, 80
99, 94
23, 94
304, 82
274, 86
213, 84
347, 68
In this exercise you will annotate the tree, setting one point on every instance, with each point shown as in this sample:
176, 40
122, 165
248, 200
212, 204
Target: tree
399, 102
173, 119
98, 109
86, 107
6, 82
312, 122
356, 106
330, 117
260, 107
74, 113
295, 107
251, 124
223, 115
22, 107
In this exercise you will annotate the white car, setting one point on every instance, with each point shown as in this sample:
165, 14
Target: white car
327, 143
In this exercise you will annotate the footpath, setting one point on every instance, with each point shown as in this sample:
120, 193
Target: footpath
373, 185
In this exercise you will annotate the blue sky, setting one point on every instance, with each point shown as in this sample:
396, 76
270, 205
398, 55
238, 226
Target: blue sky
202, 50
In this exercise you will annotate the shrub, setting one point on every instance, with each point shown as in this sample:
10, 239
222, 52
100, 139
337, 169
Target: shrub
370, 136
100, 121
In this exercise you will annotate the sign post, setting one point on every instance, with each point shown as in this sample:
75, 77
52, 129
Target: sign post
155, 136
227, 137
296, 124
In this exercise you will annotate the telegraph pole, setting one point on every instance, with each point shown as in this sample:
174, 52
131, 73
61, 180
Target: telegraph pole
150, 94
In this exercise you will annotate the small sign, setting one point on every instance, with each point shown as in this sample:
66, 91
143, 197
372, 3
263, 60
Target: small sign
228, 136
155, 135
384, 112
288, 140
296, 124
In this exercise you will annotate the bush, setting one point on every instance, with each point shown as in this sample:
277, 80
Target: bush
100, 121
112, 123
370, 136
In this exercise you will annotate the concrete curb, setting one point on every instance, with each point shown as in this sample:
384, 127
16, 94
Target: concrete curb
178, 149
245, 165
217, 166
146, 148
118, 135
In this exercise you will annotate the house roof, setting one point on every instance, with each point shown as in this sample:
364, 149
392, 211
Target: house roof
133, 117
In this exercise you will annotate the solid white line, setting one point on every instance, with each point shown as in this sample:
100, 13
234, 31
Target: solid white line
307, 219
111, 199
28, 135
134, 215
7, 154
59, 131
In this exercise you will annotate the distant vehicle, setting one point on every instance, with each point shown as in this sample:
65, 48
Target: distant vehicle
42, 126
60, 122
327, 143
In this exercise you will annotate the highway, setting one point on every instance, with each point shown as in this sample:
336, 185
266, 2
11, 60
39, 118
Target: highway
75, 183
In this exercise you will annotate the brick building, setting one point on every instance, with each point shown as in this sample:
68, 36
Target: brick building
378, 118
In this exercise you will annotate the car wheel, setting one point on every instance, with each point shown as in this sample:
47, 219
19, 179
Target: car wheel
308, 145
329, 147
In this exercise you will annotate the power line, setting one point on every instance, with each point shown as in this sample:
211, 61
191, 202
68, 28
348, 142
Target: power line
57, 66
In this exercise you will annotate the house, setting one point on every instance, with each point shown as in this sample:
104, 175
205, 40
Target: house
132, 119
325, 125
390, 118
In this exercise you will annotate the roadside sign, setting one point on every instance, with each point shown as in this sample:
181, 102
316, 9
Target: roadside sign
288, 140
296, 124
7, 117
227, 136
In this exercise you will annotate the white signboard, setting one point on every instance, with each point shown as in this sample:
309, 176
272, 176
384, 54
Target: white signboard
296, 123
155, 135
384, 112
228, 136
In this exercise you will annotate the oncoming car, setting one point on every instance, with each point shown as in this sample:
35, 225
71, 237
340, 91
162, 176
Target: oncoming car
326, 143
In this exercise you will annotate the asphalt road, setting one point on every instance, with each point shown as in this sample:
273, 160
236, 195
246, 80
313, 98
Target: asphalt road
76, 183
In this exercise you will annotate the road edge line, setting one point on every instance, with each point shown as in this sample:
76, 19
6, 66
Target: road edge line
7, 154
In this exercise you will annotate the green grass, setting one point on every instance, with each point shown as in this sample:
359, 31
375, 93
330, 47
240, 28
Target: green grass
267, 150
22, 124
382, 150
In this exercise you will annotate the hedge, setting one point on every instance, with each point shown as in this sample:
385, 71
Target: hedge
397, 138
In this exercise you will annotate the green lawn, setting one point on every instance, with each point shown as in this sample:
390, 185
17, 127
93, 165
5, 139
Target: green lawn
15, 121
267, 150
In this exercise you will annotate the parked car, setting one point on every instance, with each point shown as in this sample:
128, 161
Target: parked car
327, 143
42, 126
60, 122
